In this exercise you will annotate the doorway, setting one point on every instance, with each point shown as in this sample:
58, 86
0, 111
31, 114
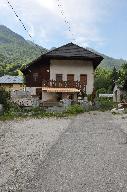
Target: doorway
39, 93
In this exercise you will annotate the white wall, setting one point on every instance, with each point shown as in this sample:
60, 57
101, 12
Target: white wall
75, 67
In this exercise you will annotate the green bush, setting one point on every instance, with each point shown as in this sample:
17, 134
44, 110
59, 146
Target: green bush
89, 97
101, 91
75, 109
105, 104
4, 98
14, 111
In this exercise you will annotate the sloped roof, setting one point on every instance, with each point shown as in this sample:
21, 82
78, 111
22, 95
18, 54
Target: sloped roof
11, 79
72, 50
69, 51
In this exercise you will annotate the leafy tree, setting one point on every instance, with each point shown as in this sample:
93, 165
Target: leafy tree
114, 77
103, 79
122, 80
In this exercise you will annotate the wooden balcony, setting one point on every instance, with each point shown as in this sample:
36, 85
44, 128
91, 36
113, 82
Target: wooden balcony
64, 84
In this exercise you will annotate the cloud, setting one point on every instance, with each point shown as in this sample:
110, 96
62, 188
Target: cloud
45, 22
48, 4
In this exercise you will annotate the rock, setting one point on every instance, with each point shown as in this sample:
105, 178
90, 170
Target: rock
86, 106
117, 111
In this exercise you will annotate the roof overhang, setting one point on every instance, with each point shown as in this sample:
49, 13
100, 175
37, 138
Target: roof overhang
69, 51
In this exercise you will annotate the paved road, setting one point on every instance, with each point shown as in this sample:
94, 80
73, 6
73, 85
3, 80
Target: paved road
90, 156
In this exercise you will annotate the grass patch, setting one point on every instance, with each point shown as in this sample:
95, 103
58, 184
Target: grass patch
7, 117
16, 112
74, 109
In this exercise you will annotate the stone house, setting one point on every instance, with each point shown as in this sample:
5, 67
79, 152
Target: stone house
63, 72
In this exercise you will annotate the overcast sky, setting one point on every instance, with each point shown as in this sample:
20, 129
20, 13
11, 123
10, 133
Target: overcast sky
99, 24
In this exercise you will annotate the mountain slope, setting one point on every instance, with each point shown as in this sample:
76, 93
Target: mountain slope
109, 62
15, 51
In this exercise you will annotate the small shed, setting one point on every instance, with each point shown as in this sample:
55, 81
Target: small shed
10, 83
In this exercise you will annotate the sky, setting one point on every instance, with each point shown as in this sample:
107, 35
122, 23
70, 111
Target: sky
98, 24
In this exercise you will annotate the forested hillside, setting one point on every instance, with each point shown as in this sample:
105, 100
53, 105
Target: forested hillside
109, 62
15, 51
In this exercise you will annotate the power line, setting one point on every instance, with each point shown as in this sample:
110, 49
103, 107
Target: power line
20, 20
60, 6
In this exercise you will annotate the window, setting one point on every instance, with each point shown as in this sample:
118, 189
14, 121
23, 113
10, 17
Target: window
83, 78
35, 76
59, 77
70, 77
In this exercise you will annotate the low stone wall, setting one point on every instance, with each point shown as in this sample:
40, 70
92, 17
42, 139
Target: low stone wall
20, 94
27, 102
24, 98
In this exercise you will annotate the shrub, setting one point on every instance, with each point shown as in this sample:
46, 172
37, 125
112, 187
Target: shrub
89, 97
75, 109
105, 103
4, 98
100, 91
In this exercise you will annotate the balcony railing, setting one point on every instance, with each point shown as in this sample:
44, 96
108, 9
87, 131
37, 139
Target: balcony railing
64, 84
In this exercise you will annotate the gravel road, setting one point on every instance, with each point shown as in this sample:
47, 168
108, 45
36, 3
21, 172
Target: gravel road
87, 153
23, 146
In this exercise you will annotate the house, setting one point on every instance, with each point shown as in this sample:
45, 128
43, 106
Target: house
10, 83
63, 72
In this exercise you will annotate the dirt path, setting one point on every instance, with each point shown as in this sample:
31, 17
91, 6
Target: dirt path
88, 153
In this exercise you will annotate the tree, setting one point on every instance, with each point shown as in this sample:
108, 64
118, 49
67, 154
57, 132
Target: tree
114, 77
103, 79
122, 80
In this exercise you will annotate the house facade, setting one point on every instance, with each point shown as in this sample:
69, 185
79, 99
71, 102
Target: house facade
62, 72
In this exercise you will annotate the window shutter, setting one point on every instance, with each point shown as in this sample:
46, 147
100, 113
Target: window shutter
70, 77
83, 78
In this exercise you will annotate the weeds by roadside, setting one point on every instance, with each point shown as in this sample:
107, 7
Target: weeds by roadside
105, 104
16, 112
13, 111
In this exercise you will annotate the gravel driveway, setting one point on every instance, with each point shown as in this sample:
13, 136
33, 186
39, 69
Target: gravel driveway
24, 145
86, 153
